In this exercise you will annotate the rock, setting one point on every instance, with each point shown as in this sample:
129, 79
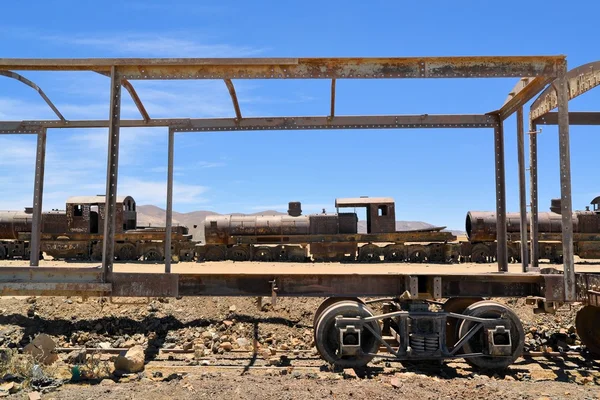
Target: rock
188, 346
284, 347
349, 373
396, 382
242, 342
538, 375
227, 323
205, 363
132, 361
227, 346
76, 357
35, 396
104, 345
207, 335
42, 349
107, 382
232, 309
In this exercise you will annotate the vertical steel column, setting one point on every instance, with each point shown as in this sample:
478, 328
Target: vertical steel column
522, 194
108, 250
169, 202
38, 193
533, 181
501, 249
562, 92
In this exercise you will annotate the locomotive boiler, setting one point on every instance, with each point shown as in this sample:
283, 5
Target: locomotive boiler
481, 230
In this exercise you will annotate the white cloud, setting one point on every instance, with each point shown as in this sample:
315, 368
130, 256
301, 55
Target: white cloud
153, 44
155, 192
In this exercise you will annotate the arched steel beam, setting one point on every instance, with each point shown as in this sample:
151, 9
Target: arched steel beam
524, 90
234, 99
580, 80
134, 96
21, 78
136, 99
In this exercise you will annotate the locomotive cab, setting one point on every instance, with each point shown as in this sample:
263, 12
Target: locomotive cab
381, 213
85, 214
596, 205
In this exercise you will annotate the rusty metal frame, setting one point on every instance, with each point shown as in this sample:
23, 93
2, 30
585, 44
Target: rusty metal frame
21, 78
537, 70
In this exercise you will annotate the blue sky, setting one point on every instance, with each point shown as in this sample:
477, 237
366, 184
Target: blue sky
434, 175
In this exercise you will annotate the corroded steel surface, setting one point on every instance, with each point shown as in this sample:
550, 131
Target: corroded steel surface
327, 68
20, 78
579, 81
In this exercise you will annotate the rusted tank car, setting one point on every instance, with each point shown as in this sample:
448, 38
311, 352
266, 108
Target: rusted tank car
324, 237
76, 233
481, 233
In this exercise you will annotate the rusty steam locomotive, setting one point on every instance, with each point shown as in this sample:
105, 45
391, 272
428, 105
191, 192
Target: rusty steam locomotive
335, 237
76, 233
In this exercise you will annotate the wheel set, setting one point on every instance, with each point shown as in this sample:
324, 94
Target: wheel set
487, 334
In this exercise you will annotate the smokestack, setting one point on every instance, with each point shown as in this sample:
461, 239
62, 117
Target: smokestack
294, 208
555, 206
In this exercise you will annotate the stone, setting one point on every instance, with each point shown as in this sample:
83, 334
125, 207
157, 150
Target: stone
227, 323
35, 396
107, 382
242, 342
232, 309
349, 373
42, 349
396, 382
76, 357
538, 375
227, 346
104, 345
132, 361
284, 347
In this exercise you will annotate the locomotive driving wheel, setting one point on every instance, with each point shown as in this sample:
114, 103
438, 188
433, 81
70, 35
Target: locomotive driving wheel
238, 253
153, 255
369, 253
214, 254
333, 343
417, 254
394, 253
263, 254
481, 254
127, 252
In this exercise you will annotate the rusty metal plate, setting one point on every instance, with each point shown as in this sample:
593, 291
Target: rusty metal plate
144, 285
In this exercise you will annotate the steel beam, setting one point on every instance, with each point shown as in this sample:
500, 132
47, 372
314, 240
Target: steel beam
524, 91
502, 249
562, 90
169, 216
294, 68
575, 118
234, 99
108, 250
332, 112
21, 78
136, 99
273, 123
533, 182
38, 193
522, 184
578, 81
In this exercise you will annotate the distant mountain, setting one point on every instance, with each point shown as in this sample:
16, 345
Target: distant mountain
149, 215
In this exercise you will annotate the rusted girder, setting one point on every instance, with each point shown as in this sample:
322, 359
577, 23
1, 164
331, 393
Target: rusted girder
294, 68
524, 91
332, 113
21, 78
579, 81
274, 123
575, 118
236, 105
136, 99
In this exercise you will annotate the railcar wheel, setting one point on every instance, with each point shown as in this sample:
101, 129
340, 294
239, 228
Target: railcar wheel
369, 253
394, 253
127, 252
481, 254
153, 255
587, 323
490, 309
456, 305
238, 253
263, 254
328, 336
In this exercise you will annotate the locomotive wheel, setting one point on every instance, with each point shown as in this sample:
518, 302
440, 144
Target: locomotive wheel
456, 305
238, 253
417, 255
296, 254
587, 323
490, 309
263, 254
2, 253
127, 252
369, 253
436, 254
481, 254
214, 254
96, 254
153, 255
328, 338
394, 253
